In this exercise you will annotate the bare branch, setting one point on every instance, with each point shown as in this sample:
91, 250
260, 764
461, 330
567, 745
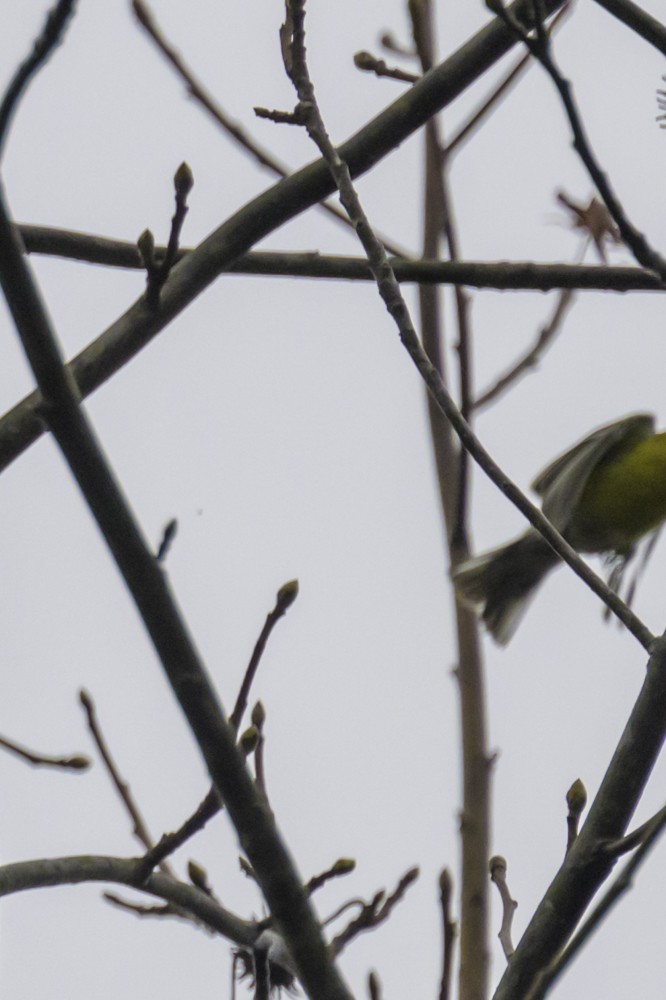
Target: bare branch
374, 986
50, 37
540, 48
76, 762
519, 275
532, 356
197, 91
620, 885
286, 596
616, 848
212, 803
498, 869
373, 913
453, 465
466, 131
130, 872
140, 828
448, 933
168, 535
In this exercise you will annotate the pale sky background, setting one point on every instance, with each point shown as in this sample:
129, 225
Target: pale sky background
282, 423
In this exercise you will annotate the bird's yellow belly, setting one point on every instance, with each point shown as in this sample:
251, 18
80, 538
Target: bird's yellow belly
624, 499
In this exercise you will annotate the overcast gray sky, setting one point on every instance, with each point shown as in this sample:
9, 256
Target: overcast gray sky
282, 423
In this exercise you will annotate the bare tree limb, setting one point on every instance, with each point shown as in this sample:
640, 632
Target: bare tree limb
182, 664
130, 872
517, 275
452, 463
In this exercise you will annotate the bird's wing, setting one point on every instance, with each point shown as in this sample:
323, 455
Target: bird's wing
561, 483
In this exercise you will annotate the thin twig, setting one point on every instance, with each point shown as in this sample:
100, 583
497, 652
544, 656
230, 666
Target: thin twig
533, 355
212, 803
531, 358
286, 596
76, 762
197, 91
448, 933
466, 131
343, 866
258, 720
616, 848
368, 63
140, 910
170, 842
157, 272
49, 38
498, 871
373, 913
168, 535
140, 830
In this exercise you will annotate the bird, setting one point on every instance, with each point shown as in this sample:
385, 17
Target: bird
604, 495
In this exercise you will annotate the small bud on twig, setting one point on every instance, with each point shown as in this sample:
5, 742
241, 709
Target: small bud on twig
286, 595
258, 716
576, 801
183, 180
248, 741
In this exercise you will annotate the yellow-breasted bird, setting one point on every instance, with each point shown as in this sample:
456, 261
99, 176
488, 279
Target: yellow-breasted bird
603, 496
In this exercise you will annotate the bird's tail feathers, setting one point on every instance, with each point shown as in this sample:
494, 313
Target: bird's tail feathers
500, 584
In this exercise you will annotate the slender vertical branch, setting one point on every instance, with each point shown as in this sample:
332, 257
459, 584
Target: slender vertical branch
453, 476
448, 933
